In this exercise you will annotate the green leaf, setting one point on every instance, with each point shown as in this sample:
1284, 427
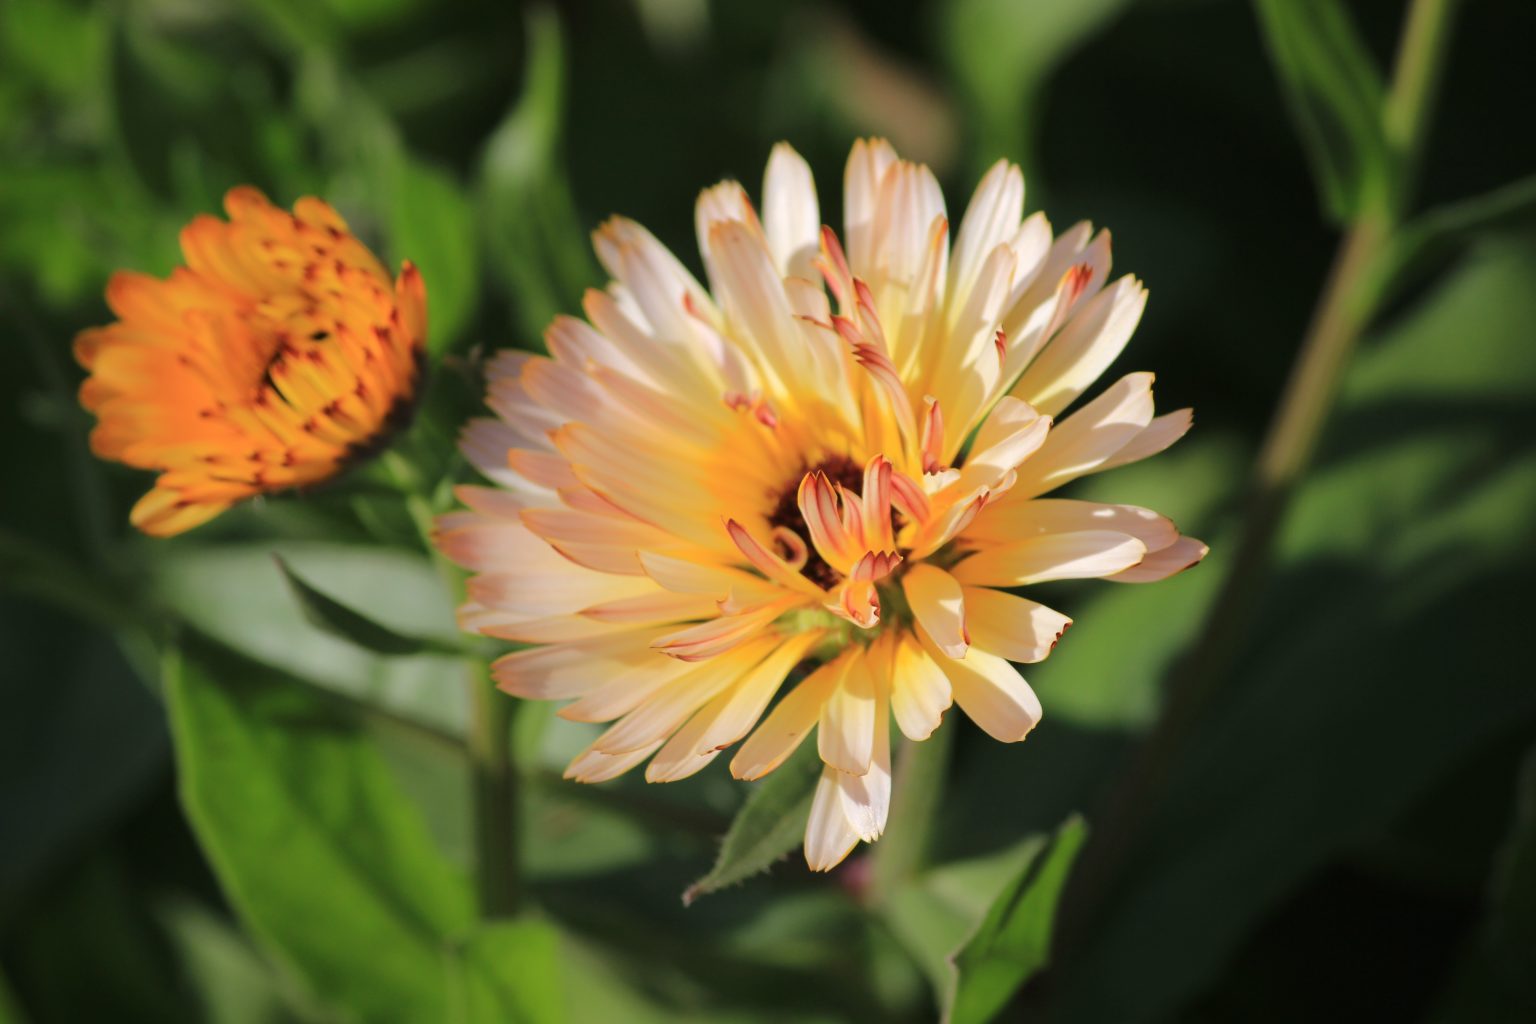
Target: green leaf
316, 848
935, 914
431, 224
327, 613
530, 227
1436, 237
769, 824
1381, 657
328, 864
1022, 44
234, 985
1336, 97
511, 970
1014, 941
260, 619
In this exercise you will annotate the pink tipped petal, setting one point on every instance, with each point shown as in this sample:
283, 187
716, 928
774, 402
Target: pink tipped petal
1184, 553
991, 693
1012, 627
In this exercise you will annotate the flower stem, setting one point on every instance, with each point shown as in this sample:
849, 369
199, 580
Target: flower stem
921, 769
1349, 299
494, 777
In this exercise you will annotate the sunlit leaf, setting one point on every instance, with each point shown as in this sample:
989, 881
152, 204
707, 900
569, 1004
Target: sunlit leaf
232, 982
259, 618
325, 612
1014, 941
311, 839
511, 973
770, 824
1336, 95
316, 846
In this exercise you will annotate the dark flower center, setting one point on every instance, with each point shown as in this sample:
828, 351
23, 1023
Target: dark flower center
840, 469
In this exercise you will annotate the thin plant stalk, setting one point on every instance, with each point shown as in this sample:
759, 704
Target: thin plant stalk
493, 773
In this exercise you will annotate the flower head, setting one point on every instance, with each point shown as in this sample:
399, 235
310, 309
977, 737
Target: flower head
277, 354
823, 475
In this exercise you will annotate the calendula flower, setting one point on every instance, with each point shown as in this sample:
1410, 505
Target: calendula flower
829, 467
279, 353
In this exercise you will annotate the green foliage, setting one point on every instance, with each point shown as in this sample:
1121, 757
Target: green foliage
327, 613
770, 824
1335, 93
1014, 940
529, 226
315, 846
1023, 44
1334, 726
395, 590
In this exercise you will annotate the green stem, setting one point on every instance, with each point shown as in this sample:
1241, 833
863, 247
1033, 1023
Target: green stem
1349, 299
921, 769
494, 777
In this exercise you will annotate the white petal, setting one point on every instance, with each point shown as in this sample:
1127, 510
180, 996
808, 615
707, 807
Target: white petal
1012, 627
992, 693
1085, 441
845, 736
990, 220
1052, 556
828, 835
938, 604
1159, 565
1074, 359
919, 690
788, 723
1010, 521
791, 216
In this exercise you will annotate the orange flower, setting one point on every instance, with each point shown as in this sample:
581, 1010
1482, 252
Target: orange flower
277, 355
825, 474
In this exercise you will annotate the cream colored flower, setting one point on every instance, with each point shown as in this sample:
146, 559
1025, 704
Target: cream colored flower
828, 466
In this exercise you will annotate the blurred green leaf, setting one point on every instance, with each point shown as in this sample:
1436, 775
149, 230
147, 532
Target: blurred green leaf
419, 206
1092, 678
1436, 237
935, 914
313, 843
1335, 94
260, 619
1416, 525
1014, 941
512, 973
529, 226
10, 1010
769, 824
233, 983
316, 845
327, 613
431, 224
1003, 52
